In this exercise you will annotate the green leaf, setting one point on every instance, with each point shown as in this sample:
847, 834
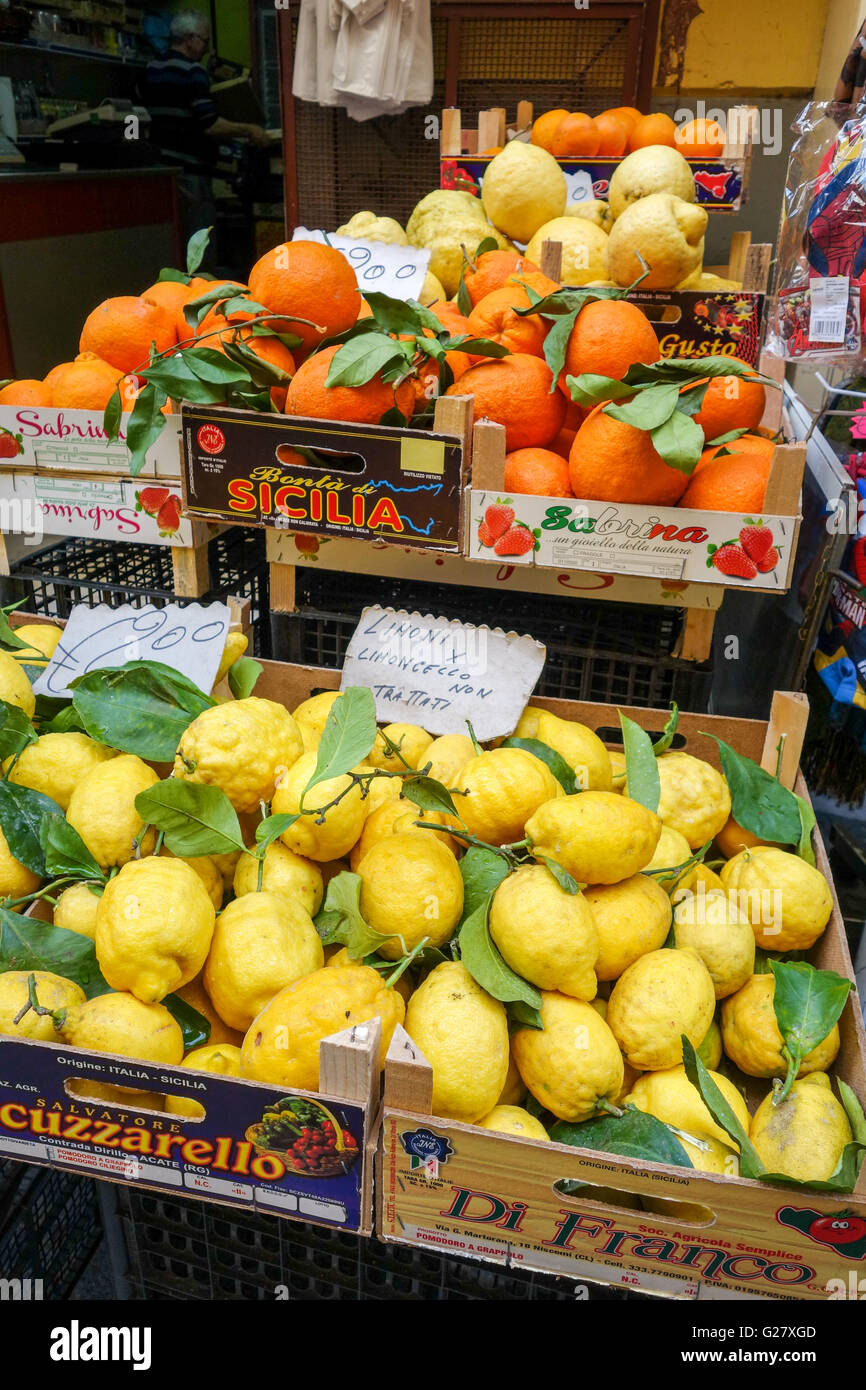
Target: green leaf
562, 876
65, 851
647, 410
142, 708
725, 438
522, 1015
641, 769
243, 675
556, 343
485, 964
194, 310
197, 819
591, 389
146, 424
633, 1134
750, 1164
340, 920
21, 812
196, 248
662, 744
194, 1026
464, 303
218, 370
807, 825
28, 944
179, 277
428, 794
482, 871
807, 1002
348, 735
272, 827
16, 731
359, 360
680, 441
66, 721
759, 802
479, 347
396, 315
561, 770
488, 243
112, 414
682, 368
8, 635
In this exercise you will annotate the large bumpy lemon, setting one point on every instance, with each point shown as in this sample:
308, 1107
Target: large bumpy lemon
16, 880
447, 756
122, 1024
243, 747
787, 901
15, 688
56, 763
410, 740
53, 992
369, 227
398, 817
75, 910
102, 810
443, 223
694, 797
653, 169
282, 1044
463, 1032
672, 851
595, 210
154, 925
571, 1063
221, 1058
208, 872
582, 243
339, 959
599, 837
669, 235
500, 790
311, 716
631, 918
545, 934
411, 887
262, 942
513, 1119
581, 748
340, 825
195, 994
751, 1036
661, 996
523, 188
710, 924
803, 1136
285, 873
380, 791
671, 1097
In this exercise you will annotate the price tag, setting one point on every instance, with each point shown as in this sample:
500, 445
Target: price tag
580, 189
439, 674
397, 271
190, 640
828, 309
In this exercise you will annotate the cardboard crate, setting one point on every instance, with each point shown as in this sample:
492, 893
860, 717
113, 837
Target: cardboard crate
49, 440
448, 1186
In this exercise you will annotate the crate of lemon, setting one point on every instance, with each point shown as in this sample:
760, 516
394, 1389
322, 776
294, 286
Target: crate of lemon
249, 906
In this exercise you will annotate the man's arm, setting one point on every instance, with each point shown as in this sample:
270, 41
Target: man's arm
221, 129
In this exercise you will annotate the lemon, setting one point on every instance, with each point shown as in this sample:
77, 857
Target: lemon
447, 756
75, 910
732, 838
282, 1045
463, 1033
122, 1024
656, 999
102, 809
16, 880
751, 1036
432, 290
56, 763
52, 992
398, 817
411, 887
694, 797
380, 792
666, 231
631, 918
523, 188
242, 747
595, 210
314, 712
583, 245
235, 645
339, 958
512, 1119
222, 1059
285, 873
671, 1097
340, 826
15, 688
208, 872
599, 837
154, 924
672, 850
545, 934
411, 741
710, 1050
653, 169
617, 770
581, 748
803, 1136
573, 1062
42, 638
708, 877
369, 227
500, 790
710, 924
514, 1090
442, 223
196, 995
787, 901
262, 942
226, 864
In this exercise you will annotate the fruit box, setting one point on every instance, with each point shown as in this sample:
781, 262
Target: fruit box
95, 504
454, 1187
45, 440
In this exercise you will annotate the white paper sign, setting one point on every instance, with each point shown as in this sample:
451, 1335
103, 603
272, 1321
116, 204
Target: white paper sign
394, 270
579, 186
190, 640
436, 673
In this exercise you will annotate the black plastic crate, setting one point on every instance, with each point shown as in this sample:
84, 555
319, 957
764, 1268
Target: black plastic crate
49, 1226
609, 652
84, 569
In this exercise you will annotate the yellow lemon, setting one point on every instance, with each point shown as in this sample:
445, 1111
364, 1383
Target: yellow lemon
573, 1062
262, 942
694, 797
631, 918
514, 1090
411, 887
710, 924
672, 850
285, 873
710, 1050
154, 924
243, 747
732, 838
42, 639
787, 901
75, 910
751, 1036
411, 742
369, 227
653, 169
313, 713
53, 992
658, 998
339, 958
16, 880
463, 1032
235, 645
599, 837
671, 1097
398, 817
447, 756
512, 1119
803, 1136
102, 809
582, 749
208, 872
663, 229
56, 763
196, 995
340, 826
15, 688
524, 187
442, 223
583, 244
617, 770
708, 877
222, 1059
500, 790
545, 934
120, 1023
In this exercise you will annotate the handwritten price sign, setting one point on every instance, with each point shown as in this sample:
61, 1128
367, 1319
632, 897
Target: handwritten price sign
397, 271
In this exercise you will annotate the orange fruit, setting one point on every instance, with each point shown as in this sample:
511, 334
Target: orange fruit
309, 396
492, 269
608, 337
536, 280
657, 129
576, 134
496, 317
515, 392
26, 391
305, 280
85, 384
54, 374
451, 318
562, 443
731, 403
425, 379
538, 472
545, 127
265, 346
700, 139
169, 294
733, 837
629, 115
732, 483
746, 444
613, 132
196, 287
121, 331
614, 462
131, 388
494, 149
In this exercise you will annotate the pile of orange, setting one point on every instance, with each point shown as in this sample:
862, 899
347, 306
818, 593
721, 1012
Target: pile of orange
622, 129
